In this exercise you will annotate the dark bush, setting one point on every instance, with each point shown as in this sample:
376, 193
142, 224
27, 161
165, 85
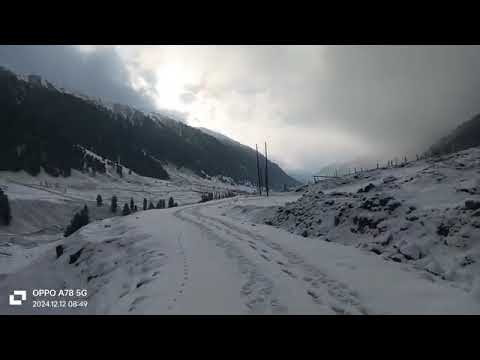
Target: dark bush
5, 212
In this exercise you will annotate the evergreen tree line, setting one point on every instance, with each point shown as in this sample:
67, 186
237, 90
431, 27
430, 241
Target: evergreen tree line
29, 143
91, 162
81, 218
216, 195
131, 207
465, 136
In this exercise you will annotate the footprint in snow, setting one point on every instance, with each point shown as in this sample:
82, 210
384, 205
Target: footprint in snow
136, 301
289, 273
144, 282
266, 258
312, 294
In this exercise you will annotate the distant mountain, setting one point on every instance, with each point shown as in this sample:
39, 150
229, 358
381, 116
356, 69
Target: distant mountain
303, 177
465, 136
43, 126
346, 167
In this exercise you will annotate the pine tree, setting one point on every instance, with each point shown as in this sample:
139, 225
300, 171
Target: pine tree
136, 209
126, 210
113, 207
171, 203
79, 220
132, 205
150, 206
99, 200
85, 219
120, 170
5, 213
74, 225
144, 204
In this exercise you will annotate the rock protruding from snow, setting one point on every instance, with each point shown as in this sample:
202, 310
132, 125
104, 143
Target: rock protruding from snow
472, 204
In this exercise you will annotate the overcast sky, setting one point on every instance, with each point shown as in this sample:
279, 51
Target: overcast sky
313, 104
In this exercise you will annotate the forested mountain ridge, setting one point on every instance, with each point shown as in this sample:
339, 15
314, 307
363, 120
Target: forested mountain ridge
465, 136
43, 126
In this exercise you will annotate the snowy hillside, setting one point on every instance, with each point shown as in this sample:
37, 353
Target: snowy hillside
199, 259
425, 214
43, 205
388, 241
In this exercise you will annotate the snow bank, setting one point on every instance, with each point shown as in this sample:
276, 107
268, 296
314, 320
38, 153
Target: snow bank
426, 213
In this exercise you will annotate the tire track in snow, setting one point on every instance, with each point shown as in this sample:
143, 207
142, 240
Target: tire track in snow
258, 288
342, 299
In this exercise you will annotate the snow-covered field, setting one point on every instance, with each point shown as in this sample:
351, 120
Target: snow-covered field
42, 206
197, 260
407, 245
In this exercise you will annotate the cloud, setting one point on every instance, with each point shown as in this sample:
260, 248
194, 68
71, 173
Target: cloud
96, 72
313, 104
188, 97
318, 104
398, 98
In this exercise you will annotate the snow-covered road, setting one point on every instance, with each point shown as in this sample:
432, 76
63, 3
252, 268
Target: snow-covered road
198, 260
282, 273
268, 278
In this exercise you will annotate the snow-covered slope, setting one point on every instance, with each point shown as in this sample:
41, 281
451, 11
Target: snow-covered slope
43, 205
29, 194
198, 260
426, 214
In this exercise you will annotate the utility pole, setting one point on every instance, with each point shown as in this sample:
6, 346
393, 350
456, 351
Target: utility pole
266, 169
258, 174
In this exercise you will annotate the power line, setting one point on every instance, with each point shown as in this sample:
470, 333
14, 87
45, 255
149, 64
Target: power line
266, 168
259, 179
